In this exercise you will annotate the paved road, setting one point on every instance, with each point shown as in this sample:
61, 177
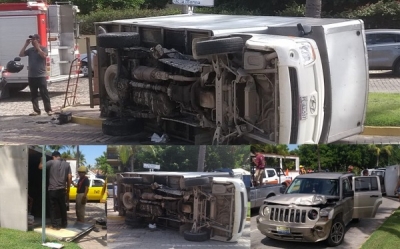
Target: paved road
120, 236
356, 235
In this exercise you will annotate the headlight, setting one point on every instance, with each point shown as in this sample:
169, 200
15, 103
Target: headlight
312, 214
325, 212
263, 210
306, 52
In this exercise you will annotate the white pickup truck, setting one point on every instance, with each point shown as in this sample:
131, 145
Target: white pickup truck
276, 176
222, 79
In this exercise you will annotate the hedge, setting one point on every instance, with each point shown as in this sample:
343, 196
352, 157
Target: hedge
383, 14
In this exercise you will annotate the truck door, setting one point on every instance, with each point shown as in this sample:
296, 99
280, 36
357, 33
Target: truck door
367, 196
271, 177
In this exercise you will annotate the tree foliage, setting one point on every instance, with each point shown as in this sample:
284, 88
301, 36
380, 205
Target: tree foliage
103, 165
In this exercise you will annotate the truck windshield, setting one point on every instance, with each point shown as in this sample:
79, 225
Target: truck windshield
314, 186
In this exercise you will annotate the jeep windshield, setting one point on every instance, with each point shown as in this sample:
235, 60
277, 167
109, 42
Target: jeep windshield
328, 187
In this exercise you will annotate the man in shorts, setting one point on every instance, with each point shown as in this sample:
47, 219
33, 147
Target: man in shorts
259, 161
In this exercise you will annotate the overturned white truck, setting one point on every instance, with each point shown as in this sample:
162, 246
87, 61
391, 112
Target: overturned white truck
224, 79
202, 205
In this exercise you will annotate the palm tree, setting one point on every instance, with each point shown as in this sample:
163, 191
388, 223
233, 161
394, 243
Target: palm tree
313, 8
80, 158
379, 149
201, 158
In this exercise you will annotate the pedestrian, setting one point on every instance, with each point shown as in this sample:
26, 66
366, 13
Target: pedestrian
302, 170
37, 73
81, 194
350, 169
60, 179
365, 172
397, 190
259, 161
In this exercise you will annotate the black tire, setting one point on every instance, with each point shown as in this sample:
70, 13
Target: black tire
197, 237
192, 182
122, 126
337, 232
18, 88
132, 180
356, 220
219, 46
111, 87
118, 40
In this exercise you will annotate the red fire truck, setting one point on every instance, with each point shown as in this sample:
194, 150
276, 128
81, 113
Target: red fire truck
59, 30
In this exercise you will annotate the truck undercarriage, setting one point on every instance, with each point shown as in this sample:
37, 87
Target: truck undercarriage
198, 207
190, 91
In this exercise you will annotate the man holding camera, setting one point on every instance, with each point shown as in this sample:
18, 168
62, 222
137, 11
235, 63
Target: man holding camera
37, 73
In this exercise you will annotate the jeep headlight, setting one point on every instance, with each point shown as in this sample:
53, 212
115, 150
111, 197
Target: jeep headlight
264, 210
306, 52
312, 214
326, 213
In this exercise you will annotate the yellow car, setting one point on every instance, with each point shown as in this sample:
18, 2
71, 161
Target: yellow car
96, 191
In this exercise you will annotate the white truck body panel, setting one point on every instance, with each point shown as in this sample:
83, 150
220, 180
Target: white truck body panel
392, 175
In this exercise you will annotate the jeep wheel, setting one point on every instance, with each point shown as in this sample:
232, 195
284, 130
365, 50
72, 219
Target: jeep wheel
336, 235
118, 40
198, 237
122, 126
218, 46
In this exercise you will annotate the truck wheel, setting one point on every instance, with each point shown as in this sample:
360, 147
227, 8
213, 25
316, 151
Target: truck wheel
198, 237
132, 180
127, 200
336, 235
218, 46
109, 76
122, 126
118, 40
192, 182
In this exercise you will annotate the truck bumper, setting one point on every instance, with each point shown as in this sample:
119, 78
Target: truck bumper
297, 232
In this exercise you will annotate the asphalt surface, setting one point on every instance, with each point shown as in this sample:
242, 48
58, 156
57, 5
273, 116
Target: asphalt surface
19, 128
356, 234
120, 236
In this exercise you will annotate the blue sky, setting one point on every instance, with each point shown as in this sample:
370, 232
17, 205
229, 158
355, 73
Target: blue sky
91, 152
292, 146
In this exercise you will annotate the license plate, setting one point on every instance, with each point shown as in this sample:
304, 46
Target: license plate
283, 230
303, 107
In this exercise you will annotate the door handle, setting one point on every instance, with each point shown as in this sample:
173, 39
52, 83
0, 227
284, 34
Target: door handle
374, 196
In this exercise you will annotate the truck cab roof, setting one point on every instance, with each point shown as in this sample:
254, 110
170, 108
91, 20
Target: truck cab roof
325, 175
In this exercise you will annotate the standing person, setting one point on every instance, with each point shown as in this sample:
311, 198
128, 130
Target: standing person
259, 161
81, 196
302, 170
365, 172
350, 169
60, 178
37, 73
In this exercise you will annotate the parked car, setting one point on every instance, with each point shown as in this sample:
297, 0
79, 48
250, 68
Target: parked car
84, 63
95, 190
317, 207
383, 47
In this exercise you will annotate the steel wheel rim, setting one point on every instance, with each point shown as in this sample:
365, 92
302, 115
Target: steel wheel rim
337, 232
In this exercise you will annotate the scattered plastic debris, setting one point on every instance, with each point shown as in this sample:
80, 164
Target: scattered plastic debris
53, 245
157, 139
153, 226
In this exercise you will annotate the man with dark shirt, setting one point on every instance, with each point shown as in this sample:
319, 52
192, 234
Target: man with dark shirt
81, 194
37, 73
60, 178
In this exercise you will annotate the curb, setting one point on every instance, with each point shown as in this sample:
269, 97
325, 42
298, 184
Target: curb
368, 130
96, 122
381, 131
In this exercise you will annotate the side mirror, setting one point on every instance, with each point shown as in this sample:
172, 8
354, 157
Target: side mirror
17, 59
282, 189
349, 193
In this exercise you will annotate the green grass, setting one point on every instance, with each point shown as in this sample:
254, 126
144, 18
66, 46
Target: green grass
383, 109
14, 239
387, 236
